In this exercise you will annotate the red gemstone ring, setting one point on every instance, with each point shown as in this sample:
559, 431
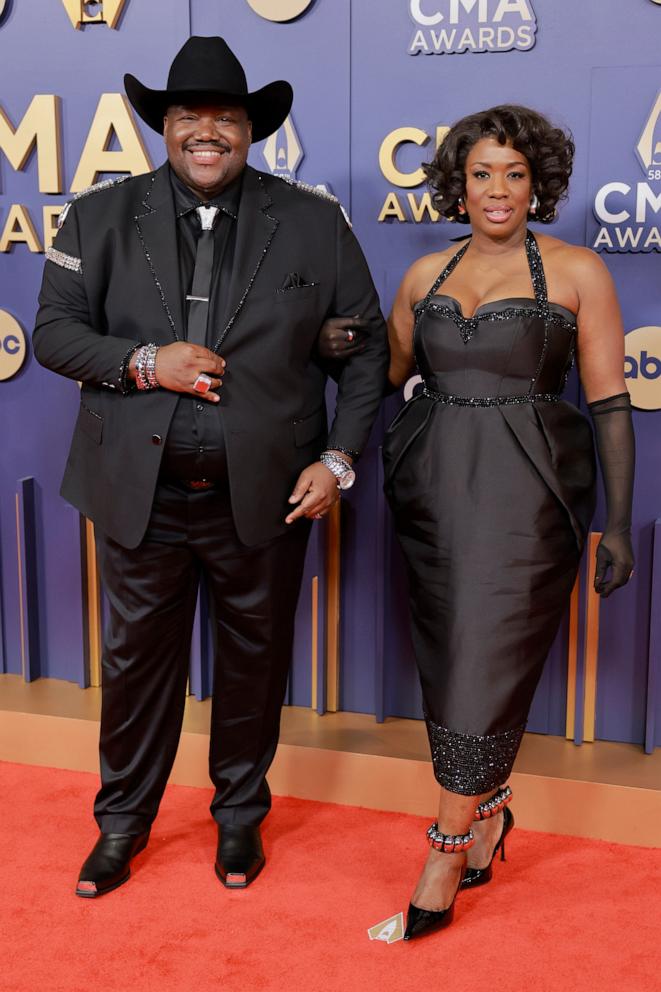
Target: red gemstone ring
202, 384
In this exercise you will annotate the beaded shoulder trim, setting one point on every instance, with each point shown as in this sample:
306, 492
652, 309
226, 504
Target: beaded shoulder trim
308, 188
96, 188
63, 260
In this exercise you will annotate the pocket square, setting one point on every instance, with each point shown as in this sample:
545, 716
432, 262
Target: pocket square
294, 281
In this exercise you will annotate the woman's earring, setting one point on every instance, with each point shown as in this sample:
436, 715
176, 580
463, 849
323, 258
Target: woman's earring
534, 204
460, 206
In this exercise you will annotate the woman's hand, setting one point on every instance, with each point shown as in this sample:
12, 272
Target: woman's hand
614, 563
341, 337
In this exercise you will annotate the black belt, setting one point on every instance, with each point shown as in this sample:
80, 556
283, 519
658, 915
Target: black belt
193, 485
450, 400
198, 485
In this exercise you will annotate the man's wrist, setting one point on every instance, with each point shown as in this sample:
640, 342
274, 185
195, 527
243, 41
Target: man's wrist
340, 466
349, 453
341, 454
126, 375
142, 367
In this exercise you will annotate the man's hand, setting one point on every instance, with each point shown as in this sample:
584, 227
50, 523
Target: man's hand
179, 364
315, 492
341, 337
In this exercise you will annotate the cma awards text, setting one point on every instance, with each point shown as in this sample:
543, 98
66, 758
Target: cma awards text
39, 130
413, 207
443, 27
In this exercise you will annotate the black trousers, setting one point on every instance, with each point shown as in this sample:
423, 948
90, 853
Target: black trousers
152, 592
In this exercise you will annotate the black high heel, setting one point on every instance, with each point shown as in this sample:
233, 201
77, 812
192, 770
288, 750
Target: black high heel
418, 920
474, 877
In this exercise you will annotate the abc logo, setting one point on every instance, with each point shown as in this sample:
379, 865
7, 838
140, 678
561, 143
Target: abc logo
12, 345
279, 10
642, 367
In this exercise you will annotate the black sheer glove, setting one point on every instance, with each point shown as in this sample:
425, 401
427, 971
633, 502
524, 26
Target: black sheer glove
341, 337
611, 418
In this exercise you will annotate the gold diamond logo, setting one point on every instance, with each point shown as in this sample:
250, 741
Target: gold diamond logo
82, 12
282, 151
389, 930
649, 144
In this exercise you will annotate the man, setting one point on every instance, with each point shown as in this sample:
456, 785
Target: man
158, 291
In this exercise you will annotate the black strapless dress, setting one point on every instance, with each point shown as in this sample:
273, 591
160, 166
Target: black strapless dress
491, 478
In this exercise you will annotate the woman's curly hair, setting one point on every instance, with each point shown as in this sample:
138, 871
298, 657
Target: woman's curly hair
548, 149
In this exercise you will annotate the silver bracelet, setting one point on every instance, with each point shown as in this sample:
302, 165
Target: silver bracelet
145, 367
333, 455
340, 467
150, 366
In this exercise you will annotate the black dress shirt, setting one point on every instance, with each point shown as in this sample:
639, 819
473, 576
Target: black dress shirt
195, 447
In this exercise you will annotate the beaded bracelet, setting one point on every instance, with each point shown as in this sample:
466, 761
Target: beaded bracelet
125, 384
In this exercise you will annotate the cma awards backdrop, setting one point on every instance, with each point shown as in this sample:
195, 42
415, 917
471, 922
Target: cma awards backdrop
376, 86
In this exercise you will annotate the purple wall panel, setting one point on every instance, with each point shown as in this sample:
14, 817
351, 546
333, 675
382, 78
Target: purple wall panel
48, 56
621, 98
354, 83
653, 707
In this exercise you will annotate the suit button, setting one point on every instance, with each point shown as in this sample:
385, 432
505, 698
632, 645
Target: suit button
156, 439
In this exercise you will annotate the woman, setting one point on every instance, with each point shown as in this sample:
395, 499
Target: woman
490, 475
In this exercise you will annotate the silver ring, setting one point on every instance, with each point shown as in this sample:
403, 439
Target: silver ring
350, 336
202, 384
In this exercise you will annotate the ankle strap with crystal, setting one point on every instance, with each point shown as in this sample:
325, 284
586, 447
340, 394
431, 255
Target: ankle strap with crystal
494, 805
449, 843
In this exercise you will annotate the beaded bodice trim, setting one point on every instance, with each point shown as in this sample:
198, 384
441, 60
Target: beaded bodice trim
468, 325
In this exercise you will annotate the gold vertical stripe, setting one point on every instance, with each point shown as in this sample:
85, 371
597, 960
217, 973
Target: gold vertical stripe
333, 609
591, 643
572, 659
21, 617
315, 641
93, 605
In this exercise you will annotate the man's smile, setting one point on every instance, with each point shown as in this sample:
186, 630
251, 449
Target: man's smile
202, 155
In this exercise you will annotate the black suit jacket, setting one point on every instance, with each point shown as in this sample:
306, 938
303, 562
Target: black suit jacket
126, 290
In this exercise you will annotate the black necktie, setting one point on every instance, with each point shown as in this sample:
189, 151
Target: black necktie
198, 298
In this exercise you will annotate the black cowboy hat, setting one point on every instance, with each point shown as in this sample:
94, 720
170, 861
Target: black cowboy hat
207, 69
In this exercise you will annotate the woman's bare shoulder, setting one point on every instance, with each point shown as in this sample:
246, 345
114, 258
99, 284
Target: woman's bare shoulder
570, 258
422, 274
574, 273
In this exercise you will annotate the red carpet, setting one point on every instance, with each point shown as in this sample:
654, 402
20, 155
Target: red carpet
562, 915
